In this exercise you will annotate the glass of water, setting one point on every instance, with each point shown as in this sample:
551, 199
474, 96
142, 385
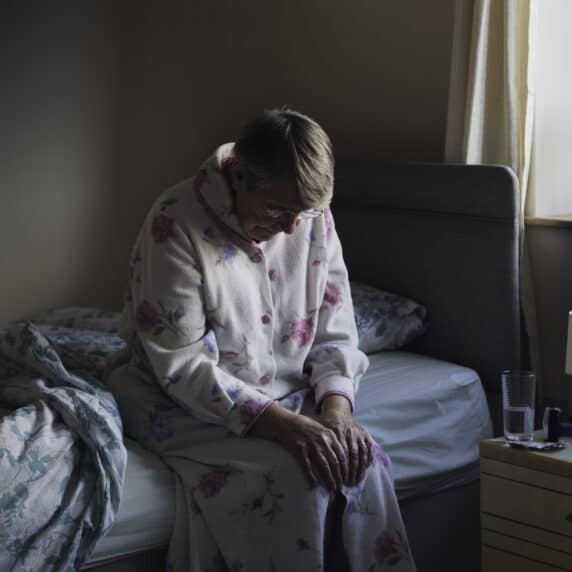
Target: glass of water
518, 404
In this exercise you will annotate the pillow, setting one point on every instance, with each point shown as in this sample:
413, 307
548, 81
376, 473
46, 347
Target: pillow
83, 337
81, 318
385, 321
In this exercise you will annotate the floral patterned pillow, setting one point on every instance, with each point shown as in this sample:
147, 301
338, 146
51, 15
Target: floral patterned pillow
385, 321
81, 318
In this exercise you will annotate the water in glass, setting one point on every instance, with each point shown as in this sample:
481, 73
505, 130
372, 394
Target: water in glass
519, 423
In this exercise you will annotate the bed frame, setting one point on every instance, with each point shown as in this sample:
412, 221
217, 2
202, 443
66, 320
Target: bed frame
447, 236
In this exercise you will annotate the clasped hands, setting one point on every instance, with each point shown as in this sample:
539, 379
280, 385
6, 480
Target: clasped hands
333, 449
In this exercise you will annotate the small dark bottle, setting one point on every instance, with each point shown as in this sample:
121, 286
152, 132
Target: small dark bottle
551, 424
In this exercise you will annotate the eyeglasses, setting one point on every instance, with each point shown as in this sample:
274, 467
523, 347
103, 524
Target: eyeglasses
279, 212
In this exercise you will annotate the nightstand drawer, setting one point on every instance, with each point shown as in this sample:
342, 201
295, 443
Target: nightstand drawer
524, 532
530, 505
530, 551
495, 560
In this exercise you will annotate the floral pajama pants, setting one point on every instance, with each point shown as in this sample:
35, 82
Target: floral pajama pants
244, 504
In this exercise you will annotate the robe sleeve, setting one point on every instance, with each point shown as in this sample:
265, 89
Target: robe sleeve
335, 362
171, 326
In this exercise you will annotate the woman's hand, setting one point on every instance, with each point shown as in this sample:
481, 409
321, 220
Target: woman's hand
314, 446
336, 415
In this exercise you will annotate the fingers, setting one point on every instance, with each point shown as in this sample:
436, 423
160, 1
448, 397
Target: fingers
304, 460
369, 452
325, 460
327, 471
320, 462
333, 456
340, 449
329, 459
353, 458
360, 457
363, 455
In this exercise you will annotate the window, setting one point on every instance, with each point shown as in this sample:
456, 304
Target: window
550, 191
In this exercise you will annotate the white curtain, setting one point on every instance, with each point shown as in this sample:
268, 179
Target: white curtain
491, 103
491, 90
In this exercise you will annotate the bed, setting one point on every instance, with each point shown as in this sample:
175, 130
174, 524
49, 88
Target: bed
446, 236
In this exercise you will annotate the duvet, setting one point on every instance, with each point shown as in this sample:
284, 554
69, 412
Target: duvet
62, 459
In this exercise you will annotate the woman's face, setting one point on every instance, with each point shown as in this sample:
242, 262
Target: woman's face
263, 215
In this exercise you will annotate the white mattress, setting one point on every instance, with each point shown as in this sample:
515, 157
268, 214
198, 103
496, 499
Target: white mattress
428, 415
147, 510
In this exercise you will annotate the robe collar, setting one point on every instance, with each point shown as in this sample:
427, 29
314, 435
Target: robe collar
213, 187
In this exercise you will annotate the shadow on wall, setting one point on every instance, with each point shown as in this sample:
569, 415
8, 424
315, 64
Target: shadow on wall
109, 103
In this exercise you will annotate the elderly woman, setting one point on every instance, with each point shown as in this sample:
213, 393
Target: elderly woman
243, 364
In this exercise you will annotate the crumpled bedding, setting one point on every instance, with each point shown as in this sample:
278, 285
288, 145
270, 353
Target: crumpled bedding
62, 458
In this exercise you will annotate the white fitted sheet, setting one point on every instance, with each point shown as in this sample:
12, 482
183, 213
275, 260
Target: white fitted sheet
147, 510
428, 415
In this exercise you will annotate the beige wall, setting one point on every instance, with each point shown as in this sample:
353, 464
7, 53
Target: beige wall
107, 103
375, 74
550, 250
56, 154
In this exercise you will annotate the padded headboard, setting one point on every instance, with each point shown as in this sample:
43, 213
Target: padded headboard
448, 237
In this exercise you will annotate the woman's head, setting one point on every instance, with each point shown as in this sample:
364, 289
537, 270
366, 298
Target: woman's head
284, 165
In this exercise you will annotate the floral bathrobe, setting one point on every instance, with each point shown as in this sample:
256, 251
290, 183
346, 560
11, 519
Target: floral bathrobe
218, 328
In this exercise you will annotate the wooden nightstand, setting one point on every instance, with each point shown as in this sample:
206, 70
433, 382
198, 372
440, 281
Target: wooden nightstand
526, 508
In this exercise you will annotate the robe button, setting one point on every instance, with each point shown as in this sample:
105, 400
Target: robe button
257, 257
266, 319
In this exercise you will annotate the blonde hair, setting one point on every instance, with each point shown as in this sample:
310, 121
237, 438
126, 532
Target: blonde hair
285, 144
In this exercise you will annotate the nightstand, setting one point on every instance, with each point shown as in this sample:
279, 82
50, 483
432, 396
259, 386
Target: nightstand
526, 508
